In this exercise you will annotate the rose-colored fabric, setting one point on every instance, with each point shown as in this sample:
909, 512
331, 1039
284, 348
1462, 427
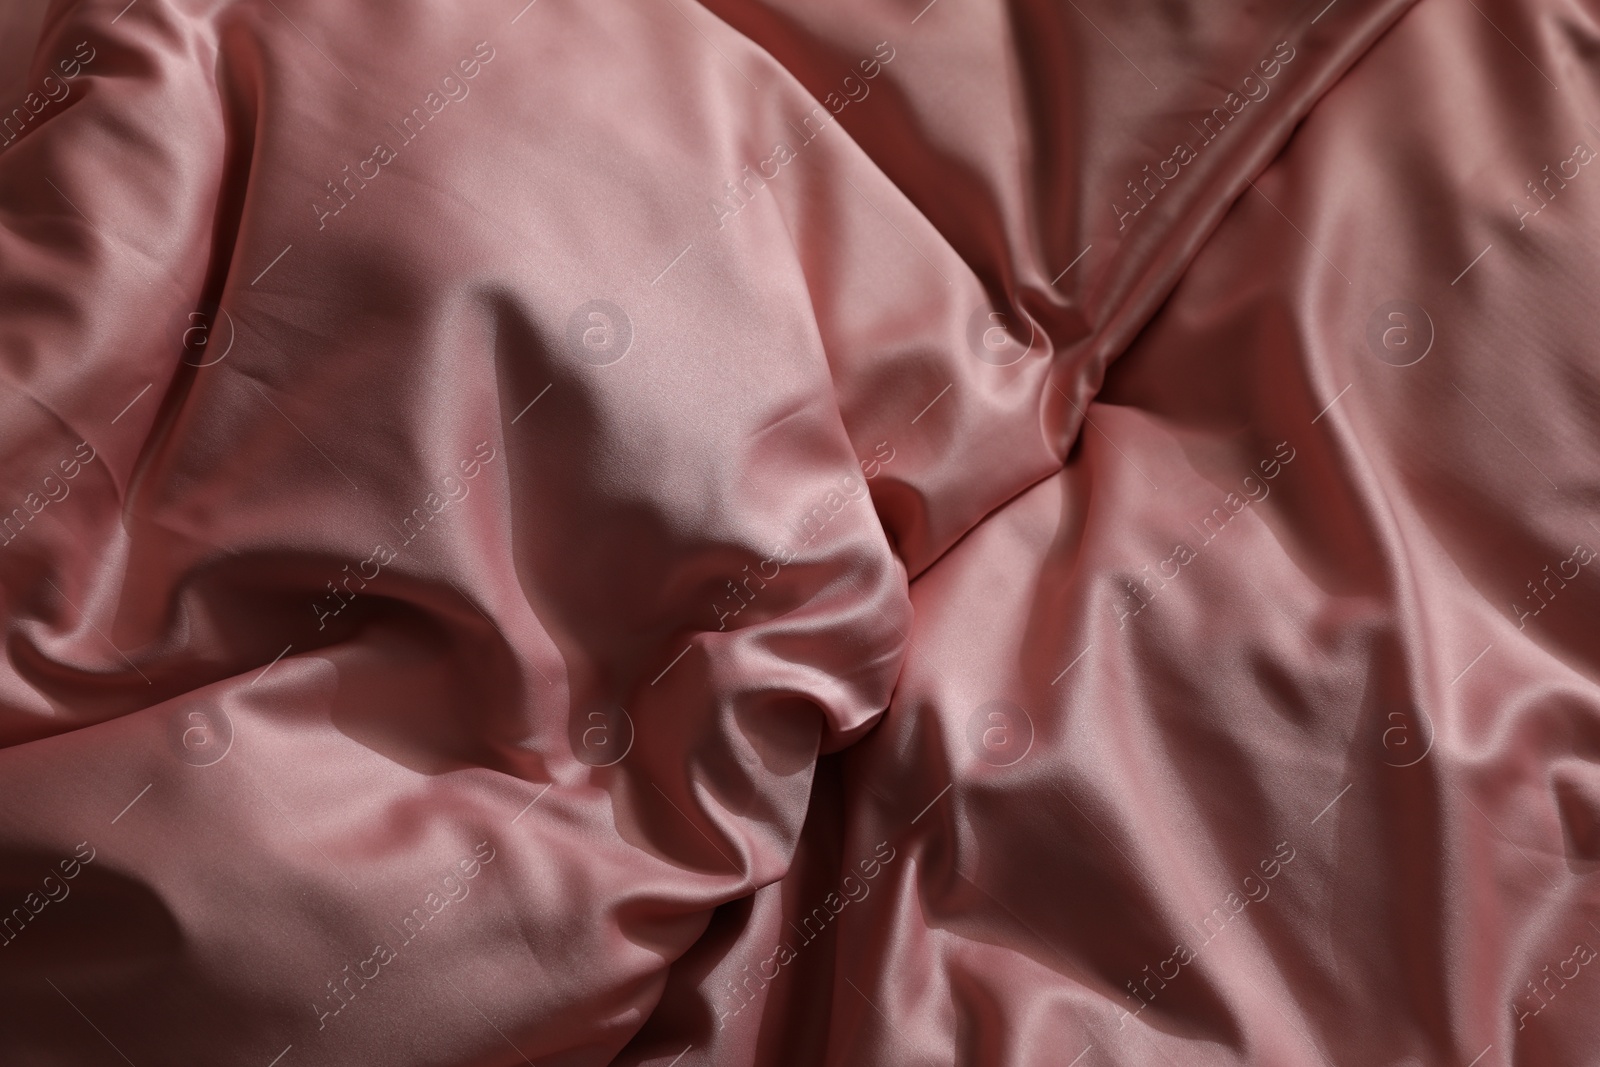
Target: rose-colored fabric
690, 533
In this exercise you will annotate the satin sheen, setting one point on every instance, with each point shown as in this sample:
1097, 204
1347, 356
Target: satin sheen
706, 533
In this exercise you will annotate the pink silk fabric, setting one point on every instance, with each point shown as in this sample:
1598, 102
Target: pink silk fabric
708, 533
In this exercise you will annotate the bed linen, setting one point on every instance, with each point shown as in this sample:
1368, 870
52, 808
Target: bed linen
771, 533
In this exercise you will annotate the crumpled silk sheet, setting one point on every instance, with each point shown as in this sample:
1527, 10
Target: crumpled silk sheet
805, 533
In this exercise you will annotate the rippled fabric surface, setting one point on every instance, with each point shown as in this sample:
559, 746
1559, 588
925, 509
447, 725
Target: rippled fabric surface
799, 533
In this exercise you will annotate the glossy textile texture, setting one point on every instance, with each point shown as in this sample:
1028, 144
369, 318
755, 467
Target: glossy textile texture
799, 533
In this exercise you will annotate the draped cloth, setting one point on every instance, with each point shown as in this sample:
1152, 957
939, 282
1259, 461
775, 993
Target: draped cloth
893, 533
